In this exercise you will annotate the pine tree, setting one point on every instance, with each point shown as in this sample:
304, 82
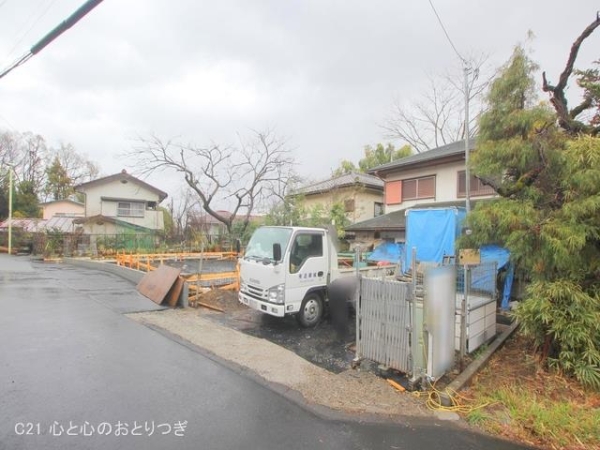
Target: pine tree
548, 180
58, 185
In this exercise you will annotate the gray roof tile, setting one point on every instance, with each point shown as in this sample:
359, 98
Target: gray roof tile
455, 148
345, 180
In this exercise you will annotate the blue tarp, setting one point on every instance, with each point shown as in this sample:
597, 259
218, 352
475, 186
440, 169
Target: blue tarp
485, 280
388, 251
433, 233
501, 256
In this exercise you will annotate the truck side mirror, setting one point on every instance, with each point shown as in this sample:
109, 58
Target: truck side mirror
277, 251
238, 246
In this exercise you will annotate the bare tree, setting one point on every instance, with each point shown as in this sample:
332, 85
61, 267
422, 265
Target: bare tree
26, 153
78, 167
242, 176
568, 119
180, 209
437, 117
10, 150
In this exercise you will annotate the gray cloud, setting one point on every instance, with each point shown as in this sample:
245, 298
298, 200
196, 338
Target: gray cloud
322, 72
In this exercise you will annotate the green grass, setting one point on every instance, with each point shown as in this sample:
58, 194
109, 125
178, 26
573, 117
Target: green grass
539, 416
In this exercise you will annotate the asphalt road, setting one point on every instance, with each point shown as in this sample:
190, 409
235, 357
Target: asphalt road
77, 373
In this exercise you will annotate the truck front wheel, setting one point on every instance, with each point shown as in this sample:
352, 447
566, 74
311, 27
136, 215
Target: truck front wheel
311, 311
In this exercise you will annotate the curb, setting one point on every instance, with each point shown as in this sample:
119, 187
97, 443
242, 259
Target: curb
131, 275
465, 377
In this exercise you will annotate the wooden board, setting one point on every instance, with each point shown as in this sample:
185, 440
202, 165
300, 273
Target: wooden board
156, 284
175, 292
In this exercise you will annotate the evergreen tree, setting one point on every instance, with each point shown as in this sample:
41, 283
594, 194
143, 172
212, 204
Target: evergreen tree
548, 180
373, 157
26, 203
58, 183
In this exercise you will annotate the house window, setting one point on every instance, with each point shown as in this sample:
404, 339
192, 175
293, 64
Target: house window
476, 187
131, 209
393, 192
349, 205
418, 188
378, 209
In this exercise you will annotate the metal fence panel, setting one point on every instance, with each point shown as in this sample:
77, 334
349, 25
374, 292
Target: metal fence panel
383, 319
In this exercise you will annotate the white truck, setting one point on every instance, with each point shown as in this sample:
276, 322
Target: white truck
286, 271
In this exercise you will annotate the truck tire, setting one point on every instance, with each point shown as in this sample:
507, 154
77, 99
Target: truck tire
311, 311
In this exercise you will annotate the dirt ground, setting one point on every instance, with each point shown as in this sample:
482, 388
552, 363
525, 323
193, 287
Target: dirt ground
238, 336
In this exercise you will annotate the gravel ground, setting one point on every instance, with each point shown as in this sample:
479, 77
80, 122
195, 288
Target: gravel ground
351, 391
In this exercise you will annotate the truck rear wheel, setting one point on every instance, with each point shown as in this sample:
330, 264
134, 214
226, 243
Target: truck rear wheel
311, 311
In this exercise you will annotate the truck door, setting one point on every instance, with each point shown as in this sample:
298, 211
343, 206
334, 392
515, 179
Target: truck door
307, 266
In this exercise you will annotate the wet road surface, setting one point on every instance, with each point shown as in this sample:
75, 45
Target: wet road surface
76, 373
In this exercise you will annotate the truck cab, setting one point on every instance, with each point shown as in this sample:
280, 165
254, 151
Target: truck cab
286, 270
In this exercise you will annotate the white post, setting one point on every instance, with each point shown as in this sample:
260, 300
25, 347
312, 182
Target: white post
10, 208
464, 311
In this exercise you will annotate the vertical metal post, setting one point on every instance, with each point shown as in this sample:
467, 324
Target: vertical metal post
199, 272
10, 208
414, 338
463, 316
358, 318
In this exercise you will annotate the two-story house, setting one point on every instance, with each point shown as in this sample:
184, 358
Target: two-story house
360, 193
432, 178
119, 203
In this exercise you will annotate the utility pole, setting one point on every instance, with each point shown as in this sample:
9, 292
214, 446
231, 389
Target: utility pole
10, 208
467, 132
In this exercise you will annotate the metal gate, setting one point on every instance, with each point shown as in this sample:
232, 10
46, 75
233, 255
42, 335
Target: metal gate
383, 317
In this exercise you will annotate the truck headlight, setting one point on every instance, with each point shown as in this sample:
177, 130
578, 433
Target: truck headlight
243, 285
277, 294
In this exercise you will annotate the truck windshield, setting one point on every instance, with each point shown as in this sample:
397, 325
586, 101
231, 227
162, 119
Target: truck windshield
261, 242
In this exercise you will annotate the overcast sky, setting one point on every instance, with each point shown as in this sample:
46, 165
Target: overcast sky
322, 73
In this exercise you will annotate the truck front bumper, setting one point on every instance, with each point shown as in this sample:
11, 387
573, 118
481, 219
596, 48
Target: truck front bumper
264, 307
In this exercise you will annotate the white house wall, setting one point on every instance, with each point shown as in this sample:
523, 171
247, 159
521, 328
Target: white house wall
446, 184
364, 202
100, 228
62, 208
130, 191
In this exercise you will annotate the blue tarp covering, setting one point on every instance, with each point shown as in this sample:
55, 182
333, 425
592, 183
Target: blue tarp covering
501, 256
388, 251
486, 281
433, 233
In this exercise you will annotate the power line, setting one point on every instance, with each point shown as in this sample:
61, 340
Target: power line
56, 32
467, 131
33, 23
446, 32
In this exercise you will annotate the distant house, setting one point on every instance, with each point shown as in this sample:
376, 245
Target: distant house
119, 203
209, 226
360, 193
435, 178
62, 208
212, 229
